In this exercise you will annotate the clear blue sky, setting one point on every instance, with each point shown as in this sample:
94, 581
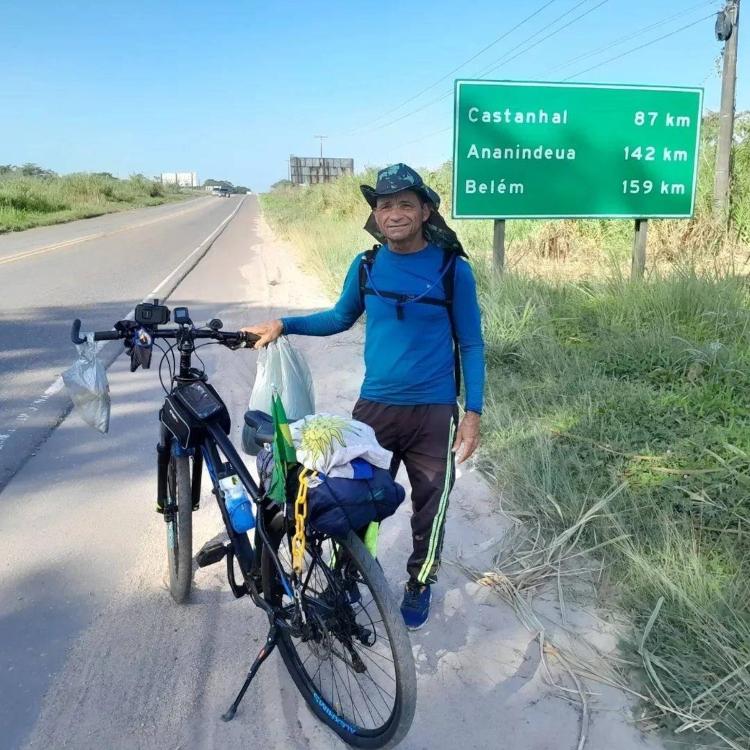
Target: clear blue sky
230, 89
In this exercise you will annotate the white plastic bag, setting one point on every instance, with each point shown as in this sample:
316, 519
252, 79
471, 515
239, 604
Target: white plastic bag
88, 386
282, 367
328, 444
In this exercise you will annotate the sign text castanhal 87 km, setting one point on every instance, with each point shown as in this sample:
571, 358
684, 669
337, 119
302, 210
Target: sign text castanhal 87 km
545, 150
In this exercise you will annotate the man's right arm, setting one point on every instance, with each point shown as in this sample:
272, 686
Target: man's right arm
341, 317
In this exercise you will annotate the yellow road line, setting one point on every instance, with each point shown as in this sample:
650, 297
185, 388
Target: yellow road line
96, 236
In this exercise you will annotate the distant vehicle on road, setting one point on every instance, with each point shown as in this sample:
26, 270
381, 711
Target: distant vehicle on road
221, 191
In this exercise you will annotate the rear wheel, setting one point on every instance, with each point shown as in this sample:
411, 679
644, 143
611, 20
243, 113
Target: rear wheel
179, 528
351, 659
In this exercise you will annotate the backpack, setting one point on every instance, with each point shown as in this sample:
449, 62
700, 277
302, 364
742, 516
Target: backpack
338, 505
447, 275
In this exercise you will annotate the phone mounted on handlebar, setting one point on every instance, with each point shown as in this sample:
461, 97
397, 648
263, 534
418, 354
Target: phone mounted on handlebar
152, 314
138, 341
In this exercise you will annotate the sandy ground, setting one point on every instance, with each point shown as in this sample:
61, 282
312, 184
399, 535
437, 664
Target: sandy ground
138, 671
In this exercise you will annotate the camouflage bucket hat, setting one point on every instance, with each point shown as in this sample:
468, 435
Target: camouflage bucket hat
395, 179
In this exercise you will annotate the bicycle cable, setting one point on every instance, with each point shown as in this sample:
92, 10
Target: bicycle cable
164, 357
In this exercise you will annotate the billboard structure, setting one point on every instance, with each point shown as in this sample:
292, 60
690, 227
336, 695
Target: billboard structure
182, 179
312, 170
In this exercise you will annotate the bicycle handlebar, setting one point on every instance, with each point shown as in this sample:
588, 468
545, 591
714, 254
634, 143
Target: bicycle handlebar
224, 337
75, 334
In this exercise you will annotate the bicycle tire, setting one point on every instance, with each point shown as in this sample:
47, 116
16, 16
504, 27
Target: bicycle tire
396, 727
180, 529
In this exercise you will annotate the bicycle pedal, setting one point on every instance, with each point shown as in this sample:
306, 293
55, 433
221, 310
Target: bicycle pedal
210, 553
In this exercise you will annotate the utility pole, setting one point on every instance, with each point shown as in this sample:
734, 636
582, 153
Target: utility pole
727, 28
322, 138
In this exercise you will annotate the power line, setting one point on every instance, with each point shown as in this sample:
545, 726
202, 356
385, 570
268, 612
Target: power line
456, 69
544, 38
528, 39
422, 138
612, 59
450, 93
593, 67
628, 37
640, 46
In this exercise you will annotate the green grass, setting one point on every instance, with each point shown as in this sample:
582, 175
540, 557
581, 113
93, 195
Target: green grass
27, 202
644, 387
599, 388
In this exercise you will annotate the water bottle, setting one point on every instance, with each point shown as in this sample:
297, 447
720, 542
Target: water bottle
239, 506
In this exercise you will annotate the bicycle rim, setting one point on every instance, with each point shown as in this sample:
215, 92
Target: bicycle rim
354, 664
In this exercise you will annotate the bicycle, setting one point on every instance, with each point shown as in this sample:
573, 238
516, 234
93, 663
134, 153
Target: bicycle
322, 619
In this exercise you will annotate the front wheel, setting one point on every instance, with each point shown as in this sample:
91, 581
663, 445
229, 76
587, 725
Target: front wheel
351, 657
179, 528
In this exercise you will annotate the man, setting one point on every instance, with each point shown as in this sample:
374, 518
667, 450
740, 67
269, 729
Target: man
419, 296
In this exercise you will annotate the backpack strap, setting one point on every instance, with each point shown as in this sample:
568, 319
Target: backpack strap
448, 273
449, 263
367, 261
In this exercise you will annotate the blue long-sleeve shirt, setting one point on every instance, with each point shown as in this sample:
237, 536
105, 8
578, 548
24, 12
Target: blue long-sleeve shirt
409, 360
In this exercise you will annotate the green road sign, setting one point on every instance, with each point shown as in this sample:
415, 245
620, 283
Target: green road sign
554, 150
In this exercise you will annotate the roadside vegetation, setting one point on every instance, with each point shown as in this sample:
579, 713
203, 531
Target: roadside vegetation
31, 196
617, 420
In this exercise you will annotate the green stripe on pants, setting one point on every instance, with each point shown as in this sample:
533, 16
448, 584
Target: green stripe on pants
437, 524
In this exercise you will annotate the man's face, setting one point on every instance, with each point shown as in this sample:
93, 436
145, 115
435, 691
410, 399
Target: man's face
400, 216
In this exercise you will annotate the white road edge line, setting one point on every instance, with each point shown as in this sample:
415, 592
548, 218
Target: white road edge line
58, 384
221, 226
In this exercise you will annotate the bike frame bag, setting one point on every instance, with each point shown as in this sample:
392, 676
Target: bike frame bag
188, 408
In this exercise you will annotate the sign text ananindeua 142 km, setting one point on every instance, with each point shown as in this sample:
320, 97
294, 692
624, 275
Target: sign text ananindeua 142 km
544, 150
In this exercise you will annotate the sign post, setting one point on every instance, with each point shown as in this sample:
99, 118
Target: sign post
638, 264
498, 245
558, 150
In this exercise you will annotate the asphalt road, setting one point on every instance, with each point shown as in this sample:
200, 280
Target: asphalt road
75, 516
96, 270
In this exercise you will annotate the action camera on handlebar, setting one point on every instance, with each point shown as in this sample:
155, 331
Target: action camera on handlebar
151, 314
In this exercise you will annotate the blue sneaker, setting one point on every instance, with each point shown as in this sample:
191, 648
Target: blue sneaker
415, 607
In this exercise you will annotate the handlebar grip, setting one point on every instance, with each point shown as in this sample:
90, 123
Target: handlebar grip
249, 338
75, 334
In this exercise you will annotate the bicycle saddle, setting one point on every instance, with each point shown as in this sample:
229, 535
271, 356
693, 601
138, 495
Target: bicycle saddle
260, 431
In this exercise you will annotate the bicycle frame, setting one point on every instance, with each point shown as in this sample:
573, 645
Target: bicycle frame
207, 452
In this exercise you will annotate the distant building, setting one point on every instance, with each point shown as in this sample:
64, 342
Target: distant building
182, 179
311, 170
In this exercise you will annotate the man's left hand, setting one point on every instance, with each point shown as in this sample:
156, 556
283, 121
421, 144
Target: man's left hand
467, 436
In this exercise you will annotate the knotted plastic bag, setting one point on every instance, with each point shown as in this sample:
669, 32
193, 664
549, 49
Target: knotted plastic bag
88, 386
282, 367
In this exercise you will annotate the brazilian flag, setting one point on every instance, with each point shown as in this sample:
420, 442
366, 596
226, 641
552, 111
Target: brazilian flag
283, 451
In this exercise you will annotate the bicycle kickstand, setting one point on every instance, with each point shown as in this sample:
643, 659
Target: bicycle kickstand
263, 654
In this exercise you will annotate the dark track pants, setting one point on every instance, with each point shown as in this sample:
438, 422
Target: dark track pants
420, 436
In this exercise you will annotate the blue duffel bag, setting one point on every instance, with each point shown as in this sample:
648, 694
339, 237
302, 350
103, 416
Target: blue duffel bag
338, 505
